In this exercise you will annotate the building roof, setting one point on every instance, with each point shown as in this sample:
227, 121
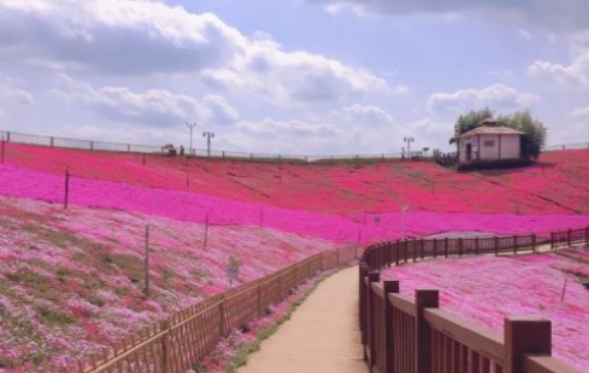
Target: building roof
490, 130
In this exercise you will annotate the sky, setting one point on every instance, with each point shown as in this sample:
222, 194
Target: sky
290, 76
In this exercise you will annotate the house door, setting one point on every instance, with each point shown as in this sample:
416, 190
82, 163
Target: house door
469, 152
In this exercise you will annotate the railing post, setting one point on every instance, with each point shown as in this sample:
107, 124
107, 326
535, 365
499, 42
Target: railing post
515, 244
422, 248
446, 247
362, 315
460, 247
372, 278
260, 299
222, 316
534, 245
435, 248
398, 252
496, 246
476, 246
52, 142
414, 250
525, 335
569, 238
423, 343
390, 287
167, 348
587, 236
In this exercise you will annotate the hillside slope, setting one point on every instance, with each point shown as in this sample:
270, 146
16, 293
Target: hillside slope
73, 280
558, 184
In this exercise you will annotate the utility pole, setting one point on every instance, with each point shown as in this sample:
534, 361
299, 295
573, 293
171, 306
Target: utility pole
209, 136
409, 140
191, 127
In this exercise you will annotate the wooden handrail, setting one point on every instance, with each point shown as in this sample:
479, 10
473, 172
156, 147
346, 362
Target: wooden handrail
476, 338
546, 364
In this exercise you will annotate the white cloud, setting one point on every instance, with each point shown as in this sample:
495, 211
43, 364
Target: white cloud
582, 114
141, 37
575, 74
496, 96
353, 128
561, 15
155, 106
11, 92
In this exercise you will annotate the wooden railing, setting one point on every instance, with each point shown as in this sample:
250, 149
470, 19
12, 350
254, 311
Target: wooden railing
179, 343
570, 237
404, 334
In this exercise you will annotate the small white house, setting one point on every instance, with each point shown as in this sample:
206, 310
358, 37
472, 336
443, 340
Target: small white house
489, 142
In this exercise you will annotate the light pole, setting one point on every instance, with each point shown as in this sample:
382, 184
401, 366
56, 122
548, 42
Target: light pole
409, 140
209, 136
191, 129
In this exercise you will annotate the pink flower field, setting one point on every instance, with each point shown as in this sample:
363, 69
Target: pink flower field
486, 289
194, 207
72, 281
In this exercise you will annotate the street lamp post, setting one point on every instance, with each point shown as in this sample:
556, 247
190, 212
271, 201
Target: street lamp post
191, 129
209, 136
409, 140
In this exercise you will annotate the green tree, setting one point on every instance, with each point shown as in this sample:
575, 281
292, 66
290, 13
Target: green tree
534, 137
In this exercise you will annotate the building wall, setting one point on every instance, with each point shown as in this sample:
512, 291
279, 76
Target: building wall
490, 147
510, 146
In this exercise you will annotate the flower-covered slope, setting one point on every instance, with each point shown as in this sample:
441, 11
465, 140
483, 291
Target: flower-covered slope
486, 289
558, 184
195, 207
71, 281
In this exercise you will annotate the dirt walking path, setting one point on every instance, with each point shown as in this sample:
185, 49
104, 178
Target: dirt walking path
321, 337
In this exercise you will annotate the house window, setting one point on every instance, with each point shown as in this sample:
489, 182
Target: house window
489, 143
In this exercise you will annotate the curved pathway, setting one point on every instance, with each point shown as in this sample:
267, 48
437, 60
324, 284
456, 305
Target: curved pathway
321, 337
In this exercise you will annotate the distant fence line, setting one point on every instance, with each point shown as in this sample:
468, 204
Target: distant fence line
61, 142
178, 343
402, 334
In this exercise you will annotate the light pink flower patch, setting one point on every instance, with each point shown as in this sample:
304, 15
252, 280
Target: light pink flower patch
487, 289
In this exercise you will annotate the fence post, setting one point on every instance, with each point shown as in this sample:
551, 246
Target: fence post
569, 238
414, 250
460, 247
91, 145
222, 315
435, 248
52, 141
398, 252
2, 150
372, 277
476, 246
446, 247
128, 148
423, 343
496, 246
8, 136
525, 335
167, 348
260, 298
534, 245
66, 197
587, 236
337, 256
390, 287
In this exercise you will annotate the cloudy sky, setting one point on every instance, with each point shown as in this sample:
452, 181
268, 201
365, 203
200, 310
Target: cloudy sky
290, 76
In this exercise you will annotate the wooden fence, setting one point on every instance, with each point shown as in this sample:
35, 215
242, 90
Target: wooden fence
412, 335
570, 237
180, 342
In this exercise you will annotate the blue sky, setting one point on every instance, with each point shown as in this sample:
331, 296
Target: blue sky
290, 76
